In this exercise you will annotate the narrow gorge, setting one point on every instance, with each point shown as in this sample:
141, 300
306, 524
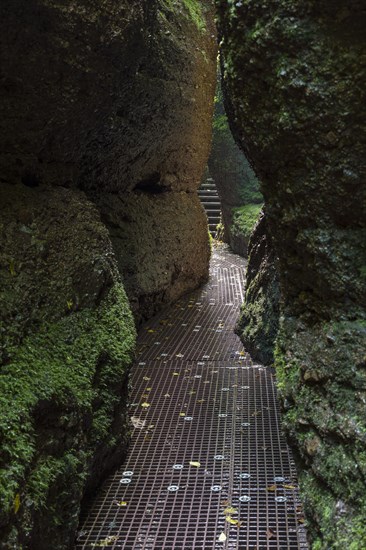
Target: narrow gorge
106, 136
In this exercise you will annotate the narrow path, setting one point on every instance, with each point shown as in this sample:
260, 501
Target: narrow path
208, 467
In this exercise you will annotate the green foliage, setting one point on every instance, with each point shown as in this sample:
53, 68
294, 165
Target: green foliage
192, 8
245, 218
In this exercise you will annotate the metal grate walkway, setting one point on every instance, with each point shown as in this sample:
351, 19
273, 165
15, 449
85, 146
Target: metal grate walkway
208, 467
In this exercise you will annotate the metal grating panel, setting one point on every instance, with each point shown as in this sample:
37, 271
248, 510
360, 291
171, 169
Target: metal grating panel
202, 402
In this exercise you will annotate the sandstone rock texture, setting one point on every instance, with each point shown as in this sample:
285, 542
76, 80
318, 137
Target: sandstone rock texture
110, 99
295, 81
105, 131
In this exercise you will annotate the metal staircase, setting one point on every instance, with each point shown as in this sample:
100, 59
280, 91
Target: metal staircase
211, 203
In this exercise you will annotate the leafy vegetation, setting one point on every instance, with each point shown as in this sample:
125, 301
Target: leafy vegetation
245, 218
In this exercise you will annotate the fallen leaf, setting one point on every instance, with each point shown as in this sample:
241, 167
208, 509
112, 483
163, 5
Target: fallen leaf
105, 542
137, 423
145, 405
175, 373
182, 414
289, 487
222, 537
196, 464
120, 503
146, 378
272, 488
151, 330
167, 395
271, 533
233, 521
230, 510
16, 505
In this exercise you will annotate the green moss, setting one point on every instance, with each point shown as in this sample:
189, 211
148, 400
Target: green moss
245, 218
363, 272
342, 526
192, 8
57, 401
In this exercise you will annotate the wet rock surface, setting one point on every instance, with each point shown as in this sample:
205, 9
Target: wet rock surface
295, 81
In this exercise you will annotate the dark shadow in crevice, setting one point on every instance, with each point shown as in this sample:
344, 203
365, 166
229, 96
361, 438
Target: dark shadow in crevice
151, 185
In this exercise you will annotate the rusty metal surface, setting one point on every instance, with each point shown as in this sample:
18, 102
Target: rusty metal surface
208, 467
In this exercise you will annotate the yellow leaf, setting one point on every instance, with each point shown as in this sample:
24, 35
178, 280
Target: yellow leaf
16, 503
145, 405
121, 503
105, 542
182, 414
233, 521
69, 304
242, 353
289, 487
175, 373
222, 537
196, 464
148, 389
230, 510
272, 488
146, 378
151, 330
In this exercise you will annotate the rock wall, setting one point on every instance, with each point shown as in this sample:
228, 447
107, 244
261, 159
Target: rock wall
259, 317
295, 80
111, 99
67, 340
105, 131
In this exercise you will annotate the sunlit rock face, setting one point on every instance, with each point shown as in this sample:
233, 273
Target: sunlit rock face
111, 98
105, 117
295, 83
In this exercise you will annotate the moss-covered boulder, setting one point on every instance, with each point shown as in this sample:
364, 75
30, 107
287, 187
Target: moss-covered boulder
295, 75
67, 340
